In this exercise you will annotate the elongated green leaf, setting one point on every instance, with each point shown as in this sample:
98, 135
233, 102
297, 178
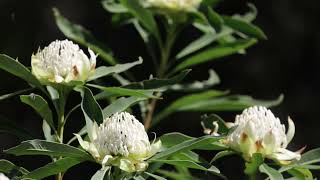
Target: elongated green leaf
188, 155
188, 100
198, 85
120, 105
108, 70
174, 175
272, 173
126, 92
89, 106
214, 19
229, 103
215, 53
10, 127
9, 168
113, 7
42, 147
203, 41
174, 138
244, 27
143, 15
83, 37
16, 68
301, 174
40, 105
310, 157
53, 168
9, 95
158, 83
100, 174
195, 143
189, 164
156, 177
222, 154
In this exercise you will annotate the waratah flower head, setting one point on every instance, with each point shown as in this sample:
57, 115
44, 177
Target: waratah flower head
62, 62
174, 5
122, 141
259, 131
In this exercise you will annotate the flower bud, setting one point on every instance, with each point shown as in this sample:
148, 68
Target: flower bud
120, 140
62, 62
259, 131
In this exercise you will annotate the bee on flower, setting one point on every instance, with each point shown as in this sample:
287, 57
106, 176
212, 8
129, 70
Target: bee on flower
62, 62
257, 130
121, 141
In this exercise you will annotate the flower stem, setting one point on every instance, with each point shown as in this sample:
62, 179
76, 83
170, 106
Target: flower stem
165, 51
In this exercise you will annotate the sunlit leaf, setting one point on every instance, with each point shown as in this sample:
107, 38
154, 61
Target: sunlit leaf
215, 53
42, 147
272, 173
108, 70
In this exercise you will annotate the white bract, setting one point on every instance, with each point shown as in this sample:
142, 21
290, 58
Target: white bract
259, 131
3, 177
62, 62
174, 5
120, 140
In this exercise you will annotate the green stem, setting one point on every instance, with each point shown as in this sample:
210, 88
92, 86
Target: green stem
252, 176
165, 50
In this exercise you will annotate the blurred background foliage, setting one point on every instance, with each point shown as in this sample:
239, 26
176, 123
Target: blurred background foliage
286, 63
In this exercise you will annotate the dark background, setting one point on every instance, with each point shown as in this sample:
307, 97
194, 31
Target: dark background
286, 63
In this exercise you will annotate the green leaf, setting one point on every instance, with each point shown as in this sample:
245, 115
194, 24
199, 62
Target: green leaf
229, 103
215, 53
100, 174
158, 83
40, 105
120, 105
82, 36
170, 139
90, 107
190, 164
143, 15
272, 173
9, 95
212, 80
186, 101
108, 70
120, 91
9, 168
156, 177
214, 19
16, 68
53, 168
301, 174
253, 165
174, 175
222, 154
42, 147
204, 142
203, 41
244, 27
10, 127
310, 157
113, 7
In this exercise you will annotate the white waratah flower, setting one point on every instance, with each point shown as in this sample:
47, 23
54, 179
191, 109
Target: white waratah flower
62, 62
120, 140
174, 5
259, 131
3, 177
